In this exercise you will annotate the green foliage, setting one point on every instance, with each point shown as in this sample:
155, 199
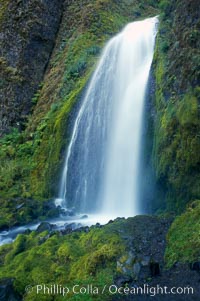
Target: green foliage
78, 258
183, 242
93, 50
37, 94
18, 247
77, 69
177, 150
164, 46
15, 157
187, 112
176, 125
164, 5
20, 211
3, 8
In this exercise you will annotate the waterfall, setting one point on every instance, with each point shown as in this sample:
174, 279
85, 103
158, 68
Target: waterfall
102, 161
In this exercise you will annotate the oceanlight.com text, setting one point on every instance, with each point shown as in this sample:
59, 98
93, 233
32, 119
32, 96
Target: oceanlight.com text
77, 289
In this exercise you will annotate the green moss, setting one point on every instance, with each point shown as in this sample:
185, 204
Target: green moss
176, 124
20, 211
183, 243
3, 9
78, 258
16, 163
176, 149
47, 155
187, 112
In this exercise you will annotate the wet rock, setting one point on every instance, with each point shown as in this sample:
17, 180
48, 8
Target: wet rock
27, 231
71, 226
20, 206
145, 260
44, 226
119, 266
78, 228
66, 212
195, 266
4, 228
155, 269
98, 225
136, 269
122, 280
71, 212
85, 229
7, 292
50, 209
130, 259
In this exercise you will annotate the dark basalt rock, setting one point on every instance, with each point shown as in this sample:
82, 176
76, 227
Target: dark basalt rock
7, 292
122, 280
71, 226
4, 228
28, 32
19, 206
145, 238
98, 225
195, 266
68, 212
44, 226
50, 209
155, 269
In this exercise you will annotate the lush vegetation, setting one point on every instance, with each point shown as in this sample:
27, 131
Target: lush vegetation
183, 237
77, 258
176, 126
31, 160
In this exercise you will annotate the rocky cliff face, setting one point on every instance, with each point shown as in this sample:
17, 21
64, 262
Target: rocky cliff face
176, 155
28, 31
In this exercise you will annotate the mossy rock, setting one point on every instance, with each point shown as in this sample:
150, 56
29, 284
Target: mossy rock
176, 143
183, 243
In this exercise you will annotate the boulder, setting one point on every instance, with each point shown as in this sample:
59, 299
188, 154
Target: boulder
195, 266
122, 280
44, 226
7, 291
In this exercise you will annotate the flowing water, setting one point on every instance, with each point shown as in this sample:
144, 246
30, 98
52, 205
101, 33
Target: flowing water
102, 162
101, 169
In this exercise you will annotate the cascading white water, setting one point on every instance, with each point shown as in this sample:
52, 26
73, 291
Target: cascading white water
102, 161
